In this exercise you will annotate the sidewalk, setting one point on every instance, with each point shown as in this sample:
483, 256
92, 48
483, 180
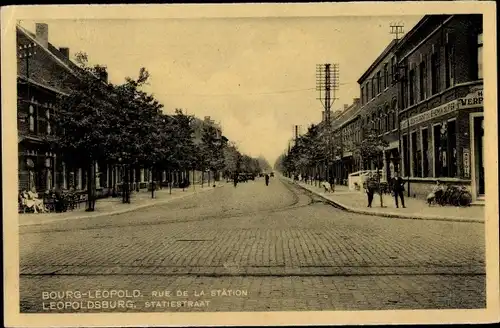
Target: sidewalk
113, 206
356, 202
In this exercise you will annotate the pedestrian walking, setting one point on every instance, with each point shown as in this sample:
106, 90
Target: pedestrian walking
267, 179
398, 189
235, 179
371, 187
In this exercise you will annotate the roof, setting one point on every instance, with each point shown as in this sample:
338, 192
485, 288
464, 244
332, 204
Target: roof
378, 60
427, 19
51, 50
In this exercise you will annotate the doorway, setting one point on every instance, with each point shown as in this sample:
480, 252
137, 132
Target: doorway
479, 155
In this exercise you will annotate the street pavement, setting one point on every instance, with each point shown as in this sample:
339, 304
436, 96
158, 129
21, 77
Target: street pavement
250, 248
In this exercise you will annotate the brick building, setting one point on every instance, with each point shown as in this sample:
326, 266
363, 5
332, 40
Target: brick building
379, 106
347, 133
42, 71
440, 92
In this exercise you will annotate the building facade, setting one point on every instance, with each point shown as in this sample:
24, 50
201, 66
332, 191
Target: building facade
440, 90
379, 109
45, 73
347, 134
41, 72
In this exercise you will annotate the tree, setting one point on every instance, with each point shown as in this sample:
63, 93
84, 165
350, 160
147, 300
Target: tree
212, 149
370, 151
85, 121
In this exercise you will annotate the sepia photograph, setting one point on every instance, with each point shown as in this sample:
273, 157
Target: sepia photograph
329, 160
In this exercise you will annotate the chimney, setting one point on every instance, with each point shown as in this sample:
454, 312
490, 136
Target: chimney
42, 34
355, 101
346, 106
64, 52
103, 75
322, 116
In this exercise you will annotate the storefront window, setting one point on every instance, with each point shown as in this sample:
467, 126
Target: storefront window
445, 152
416, 155
425, 156
406, 156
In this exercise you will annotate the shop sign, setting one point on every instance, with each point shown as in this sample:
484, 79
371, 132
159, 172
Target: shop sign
431, 114
466, 161
472, 100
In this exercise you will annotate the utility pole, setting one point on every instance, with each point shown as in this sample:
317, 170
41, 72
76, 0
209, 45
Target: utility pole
397, 29
400, 77
327, 82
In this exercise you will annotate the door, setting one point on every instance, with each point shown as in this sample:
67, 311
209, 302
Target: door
479, 154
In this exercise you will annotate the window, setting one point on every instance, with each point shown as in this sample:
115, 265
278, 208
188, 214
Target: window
47, 114
452, 149
448, 53
368, 91
412, 87
480, 56
393, 114
379, 81
386, 124
425, 156
435, 73
373, 88
393, 68
406, 156
416, 156
362, 95
405, 88
32, 118
445, 152
386, 76
423, 80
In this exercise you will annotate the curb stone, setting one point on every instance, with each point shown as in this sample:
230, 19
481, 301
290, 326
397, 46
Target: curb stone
125, 210
392, 214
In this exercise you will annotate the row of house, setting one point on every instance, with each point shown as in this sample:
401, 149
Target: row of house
43, 73
424, 96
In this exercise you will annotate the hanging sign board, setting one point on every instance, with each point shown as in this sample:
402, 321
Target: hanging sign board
466, 162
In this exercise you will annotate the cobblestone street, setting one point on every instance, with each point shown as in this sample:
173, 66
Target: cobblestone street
281, 248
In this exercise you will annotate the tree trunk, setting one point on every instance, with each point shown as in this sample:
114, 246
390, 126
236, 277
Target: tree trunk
194, 184
152, 182
90, 187
170, 181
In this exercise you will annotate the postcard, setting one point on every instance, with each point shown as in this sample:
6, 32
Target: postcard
250, 164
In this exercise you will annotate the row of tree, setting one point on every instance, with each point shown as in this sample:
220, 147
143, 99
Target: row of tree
319, 147
123, 125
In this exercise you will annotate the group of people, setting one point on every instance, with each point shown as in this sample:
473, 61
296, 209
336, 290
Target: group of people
30, 200
371, 186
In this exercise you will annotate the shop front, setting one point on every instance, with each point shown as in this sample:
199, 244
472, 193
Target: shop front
445, 143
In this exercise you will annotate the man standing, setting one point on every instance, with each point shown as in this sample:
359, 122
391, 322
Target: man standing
371, 187
398, 188
267, 179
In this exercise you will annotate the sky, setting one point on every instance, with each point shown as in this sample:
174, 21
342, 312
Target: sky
256, 76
